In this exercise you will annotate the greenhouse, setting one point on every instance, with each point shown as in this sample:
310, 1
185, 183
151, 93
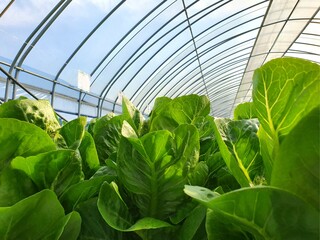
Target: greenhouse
159, 119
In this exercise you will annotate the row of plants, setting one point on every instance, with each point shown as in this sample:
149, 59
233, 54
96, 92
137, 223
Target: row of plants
179, 174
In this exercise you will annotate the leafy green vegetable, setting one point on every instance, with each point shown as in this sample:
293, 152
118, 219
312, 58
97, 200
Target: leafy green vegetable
168, 114
39, 216
89, 155
83, 191
262, 212
56, 170
297, 165
19, 138
284, 90
133, 115
14, 186
106, 135
242, 142
38, 112
154, 168
73, 132
117, 215
245, 110
93, 225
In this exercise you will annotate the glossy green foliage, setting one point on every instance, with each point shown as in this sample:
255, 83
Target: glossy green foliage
170, 113
239, 147
56, 170
20, 138
284, 90
106, 135
245, 110
122, 177
257, 213
154, 168
38, 217
297, 166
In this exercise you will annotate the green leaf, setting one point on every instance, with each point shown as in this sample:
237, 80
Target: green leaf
73, 132
245, 110
56, 170
239, 147
89, 155
284, 91
38, 112
14, 186
199, 175
20, 138
187, 146
107, 133
112, 207
192, 223
262, 212
154, 168
115, 212
83, 191
37, 217
297, 165
132, 114
181, 110
93, 226
72, 226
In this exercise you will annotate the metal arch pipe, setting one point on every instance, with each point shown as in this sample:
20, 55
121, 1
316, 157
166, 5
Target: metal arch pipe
107, 88
184, 67
86, 39
213, 26
79, 47
41, 33
26, 42
225, 32
163, 45
200, 33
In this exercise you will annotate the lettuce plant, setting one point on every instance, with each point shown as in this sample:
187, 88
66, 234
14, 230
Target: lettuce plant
179, 174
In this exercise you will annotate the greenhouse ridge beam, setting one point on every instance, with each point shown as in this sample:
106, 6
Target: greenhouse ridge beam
195, 47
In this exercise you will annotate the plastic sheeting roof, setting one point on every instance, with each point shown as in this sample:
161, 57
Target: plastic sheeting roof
83, 54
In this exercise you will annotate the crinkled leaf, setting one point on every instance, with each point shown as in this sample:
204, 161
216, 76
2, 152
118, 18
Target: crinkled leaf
20, 138
56, 170
38, 112
39, 216
284, 91
181, 110
89, 155
73, 132
245, 110
262, 212
297, 165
